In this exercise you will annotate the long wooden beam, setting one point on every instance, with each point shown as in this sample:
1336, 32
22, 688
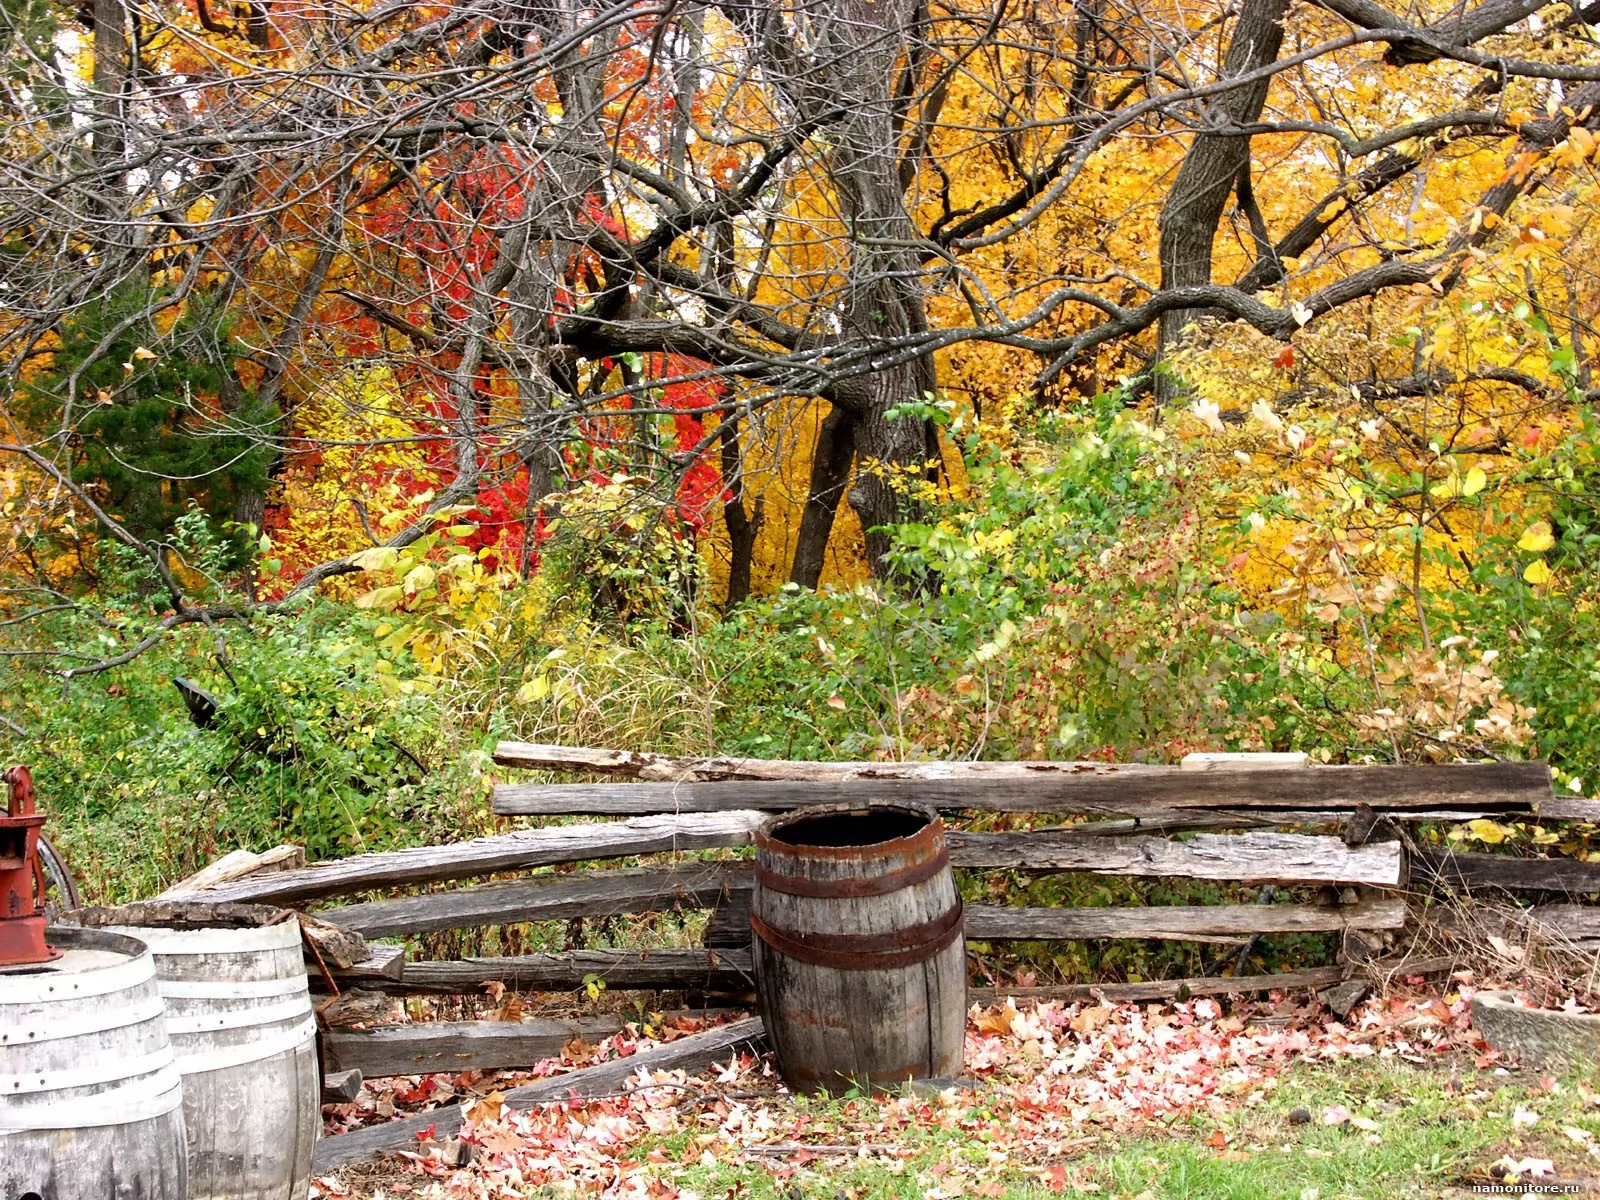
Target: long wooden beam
1264, 857
730, 968
427, 1046
686, 1053
1471, 871
1179, 922
644, 765
702, 885
547, 898
1244, 857
1086, 788
671, 968
999, 923
506, 852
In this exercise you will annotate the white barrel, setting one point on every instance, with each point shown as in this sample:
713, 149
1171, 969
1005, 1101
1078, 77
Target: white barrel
239, 1014
91, 1103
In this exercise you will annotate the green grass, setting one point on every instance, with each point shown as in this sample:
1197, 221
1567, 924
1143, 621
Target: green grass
1438, 1133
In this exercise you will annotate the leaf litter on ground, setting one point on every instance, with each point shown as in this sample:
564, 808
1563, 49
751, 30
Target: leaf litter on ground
1046, 1080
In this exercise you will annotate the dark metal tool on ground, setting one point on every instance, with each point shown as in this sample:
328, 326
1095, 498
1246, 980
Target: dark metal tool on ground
22, 880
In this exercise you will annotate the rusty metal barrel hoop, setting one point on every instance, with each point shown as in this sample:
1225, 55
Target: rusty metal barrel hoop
924, 855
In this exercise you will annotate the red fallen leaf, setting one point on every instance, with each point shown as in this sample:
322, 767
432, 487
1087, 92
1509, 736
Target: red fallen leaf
427, 1134
1285, 358
1054, 1178
1218, 1140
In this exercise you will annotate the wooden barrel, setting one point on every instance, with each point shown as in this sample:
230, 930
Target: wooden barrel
91, 1105
239, 1013
860, 961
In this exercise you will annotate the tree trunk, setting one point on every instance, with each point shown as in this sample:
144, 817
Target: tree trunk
884, 296
110, 80
1211, 169
830, 472
742, 527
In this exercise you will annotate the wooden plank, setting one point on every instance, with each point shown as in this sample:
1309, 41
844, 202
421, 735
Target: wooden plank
1265, 857
643, 765
385, 962
686, 1053
1470, 871
1247, 857
669, 968
996, 923
1087, 788
1248, 760
1569, 808
1165, 989
1244, 857
506, 852
1568, 922
428, 1046
235, 865
1178, 923
547, 898
729, 923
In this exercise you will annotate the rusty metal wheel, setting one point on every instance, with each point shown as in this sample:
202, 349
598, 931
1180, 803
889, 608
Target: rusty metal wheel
58, 876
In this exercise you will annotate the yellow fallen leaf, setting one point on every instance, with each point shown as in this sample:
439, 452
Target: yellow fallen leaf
1536, 538
1536, 572
141, 353
1487, 831
1474, 483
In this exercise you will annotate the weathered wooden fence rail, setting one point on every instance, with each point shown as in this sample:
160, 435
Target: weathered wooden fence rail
1214, 818
1096, 788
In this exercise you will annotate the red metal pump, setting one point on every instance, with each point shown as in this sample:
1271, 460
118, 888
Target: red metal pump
22, 881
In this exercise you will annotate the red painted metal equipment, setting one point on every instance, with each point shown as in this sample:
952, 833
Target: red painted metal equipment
22, 882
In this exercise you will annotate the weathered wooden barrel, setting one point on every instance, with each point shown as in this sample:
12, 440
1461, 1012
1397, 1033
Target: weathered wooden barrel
860, 961
239, 1013
91, 1105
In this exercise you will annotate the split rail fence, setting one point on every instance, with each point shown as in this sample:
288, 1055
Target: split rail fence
1336, 835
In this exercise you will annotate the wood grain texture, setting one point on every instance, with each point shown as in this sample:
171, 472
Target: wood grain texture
644, 765
235, 865
384, 961
1244, 857
672, 968
730, 925
836, 1025
1570, 808
687, 1053
429, 1046
1178, 923
119, 1064
546, 898
506, 852
1083, 788
1480, 872
1244, 760
1569, 922
1256, 856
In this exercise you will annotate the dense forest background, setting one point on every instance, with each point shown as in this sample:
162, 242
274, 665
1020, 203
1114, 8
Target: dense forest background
824, 379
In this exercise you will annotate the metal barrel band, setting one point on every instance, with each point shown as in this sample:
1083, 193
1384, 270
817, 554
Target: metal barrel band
855, 952
770, 836
875, 885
